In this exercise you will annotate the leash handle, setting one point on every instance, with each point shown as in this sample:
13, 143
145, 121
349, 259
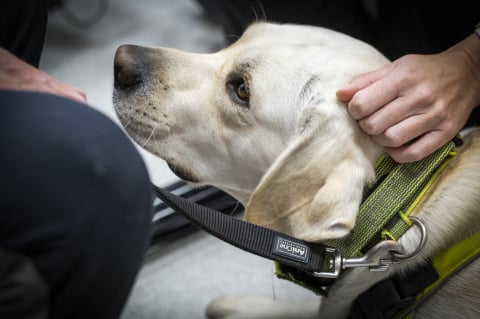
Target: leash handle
252, 238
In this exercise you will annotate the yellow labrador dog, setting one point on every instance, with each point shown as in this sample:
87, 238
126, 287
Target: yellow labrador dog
260, 120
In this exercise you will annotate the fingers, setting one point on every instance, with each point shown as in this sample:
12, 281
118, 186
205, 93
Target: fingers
420, 148
80, 96
390, 110
69, 92
407, 130
414, 137
385, 117
76, 95
400, 109
15, 74
359, 83
413, 105
42, 82
373, 98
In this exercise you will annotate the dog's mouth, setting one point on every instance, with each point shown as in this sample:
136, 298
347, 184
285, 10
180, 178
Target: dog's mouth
182, 173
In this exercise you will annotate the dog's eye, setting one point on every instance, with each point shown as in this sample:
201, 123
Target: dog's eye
240, 91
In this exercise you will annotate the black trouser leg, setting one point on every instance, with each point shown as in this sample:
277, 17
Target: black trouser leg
75, 198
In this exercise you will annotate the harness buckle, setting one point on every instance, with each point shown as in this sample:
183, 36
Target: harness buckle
378, 258
374, 259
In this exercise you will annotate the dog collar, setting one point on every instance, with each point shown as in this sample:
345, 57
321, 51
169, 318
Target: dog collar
387, 205
382, 219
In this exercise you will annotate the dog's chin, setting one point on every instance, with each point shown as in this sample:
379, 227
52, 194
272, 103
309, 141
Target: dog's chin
183, 173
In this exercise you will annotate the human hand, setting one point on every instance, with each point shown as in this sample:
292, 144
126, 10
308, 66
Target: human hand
15, 74
418, 103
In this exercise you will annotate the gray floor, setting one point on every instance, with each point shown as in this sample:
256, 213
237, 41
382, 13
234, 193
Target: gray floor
184, 272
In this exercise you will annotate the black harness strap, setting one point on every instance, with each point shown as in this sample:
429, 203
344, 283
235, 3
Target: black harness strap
384, 299
258, 240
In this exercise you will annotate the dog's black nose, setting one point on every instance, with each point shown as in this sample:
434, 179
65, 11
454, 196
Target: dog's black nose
128, 69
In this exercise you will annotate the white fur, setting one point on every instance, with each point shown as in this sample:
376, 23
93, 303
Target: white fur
294, 157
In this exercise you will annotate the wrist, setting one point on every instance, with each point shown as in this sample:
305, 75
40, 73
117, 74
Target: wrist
469, 52
475, 50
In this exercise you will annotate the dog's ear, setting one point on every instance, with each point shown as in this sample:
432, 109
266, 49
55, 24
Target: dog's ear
314, 188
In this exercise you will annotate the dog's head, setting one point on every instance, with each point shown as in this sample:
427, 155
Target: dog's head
259, 120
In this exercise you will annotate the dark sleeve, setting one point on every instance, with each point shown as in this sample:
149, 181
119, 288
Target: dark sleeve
395, 27
342, 15
474, 119
423, 26
22, 28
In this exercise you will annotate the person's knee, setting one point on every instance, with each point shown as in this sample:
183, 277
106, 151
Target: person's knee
60, 152
104, 175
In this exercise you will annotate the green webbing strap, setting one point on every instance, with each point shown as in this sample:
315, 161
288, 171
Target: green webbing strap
399, 186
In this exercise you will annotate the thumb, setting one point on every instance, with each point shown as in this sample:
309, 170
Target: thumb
358, 83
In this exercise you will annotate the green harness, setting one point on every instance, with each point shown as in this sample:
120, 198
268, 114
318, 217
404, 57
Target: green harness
397, 191
384, 215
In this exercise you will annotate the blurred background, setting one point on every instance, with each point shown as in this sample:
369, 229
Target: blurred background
185, 269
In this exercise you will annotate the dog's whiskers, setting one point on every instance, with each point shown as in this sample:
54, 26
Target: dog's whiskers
152, 134
128, 123
233, 36
138, 130
263, 16
234, 210
272, 274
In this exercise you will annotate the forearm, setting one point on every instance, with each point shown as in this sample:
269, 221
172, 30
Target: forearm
470, 48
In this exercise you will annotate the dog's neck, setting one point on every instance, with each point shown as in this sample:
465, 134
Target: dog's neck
243, 195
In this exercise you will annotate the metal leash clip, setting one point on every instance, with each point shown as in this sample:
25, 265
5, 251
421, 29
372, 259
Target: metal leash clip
378, 258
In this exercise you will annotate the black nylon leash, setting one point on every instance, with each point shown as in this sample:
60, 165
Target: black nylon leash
252, 238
